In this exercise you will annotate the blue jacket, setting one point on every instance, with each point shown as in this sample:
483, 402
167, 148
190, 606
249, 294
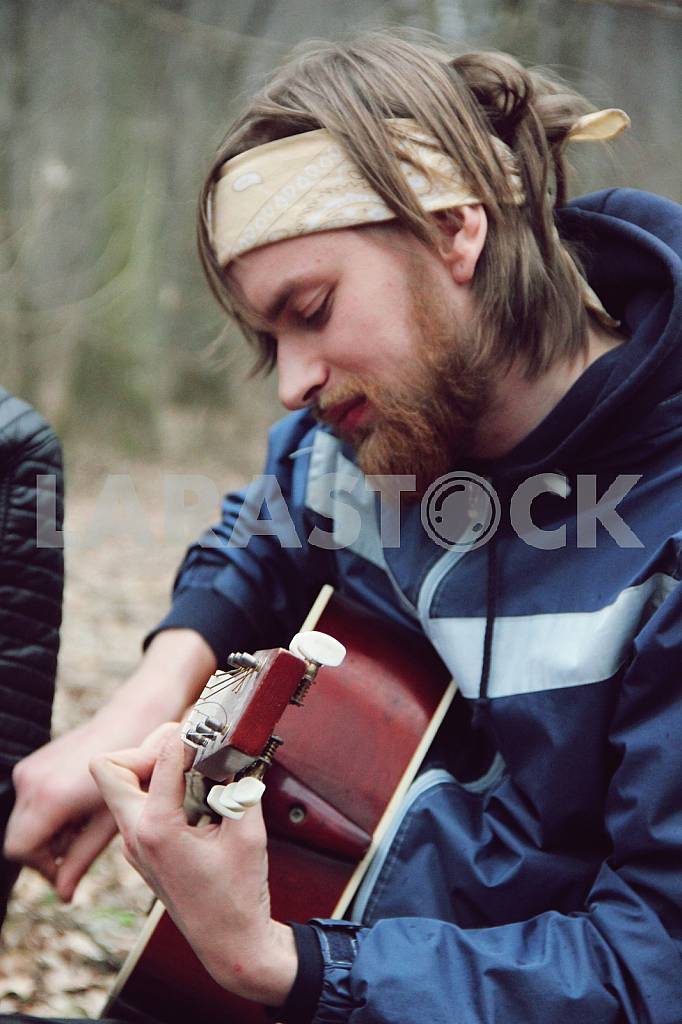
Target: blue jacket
550, 888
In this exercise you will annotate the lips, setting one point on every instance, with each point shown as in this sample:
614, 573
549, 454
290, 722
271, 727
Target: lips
346, 417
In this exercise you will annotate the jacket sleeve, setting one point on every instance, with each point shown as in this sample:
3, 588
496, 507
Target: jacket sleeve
249, 580
31, 576
615, 960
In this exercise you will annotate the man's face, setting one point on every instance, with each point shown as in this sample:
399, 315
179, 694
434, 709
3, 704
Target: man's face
372, 332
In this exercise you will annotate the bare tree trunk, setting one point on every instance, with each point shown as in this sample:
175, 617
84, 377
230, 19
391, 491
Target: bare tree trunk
19, 341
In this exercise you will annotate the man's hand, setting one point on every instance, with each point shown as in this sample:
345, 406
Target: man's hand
212, 879
60, 823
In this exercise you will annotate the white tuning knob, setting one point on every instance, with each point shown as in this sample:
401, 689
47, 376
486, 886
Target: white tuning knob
232, 801
318, 647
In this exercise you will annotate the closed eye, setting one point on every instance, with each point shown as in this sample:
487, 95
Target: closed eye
319, 315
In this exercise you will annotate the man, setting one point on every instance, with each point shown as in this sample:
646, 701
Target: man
388, 225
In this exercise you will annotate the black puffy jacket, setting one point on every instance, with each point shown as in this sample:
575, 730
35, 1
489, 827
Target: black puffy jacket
31, 577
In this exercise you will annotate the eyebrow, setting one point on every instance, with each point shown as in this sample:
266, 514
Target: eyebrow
283, 296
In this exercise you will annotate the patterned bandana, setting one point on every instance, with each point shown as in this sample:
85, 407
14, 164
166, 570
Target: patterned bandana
307, 183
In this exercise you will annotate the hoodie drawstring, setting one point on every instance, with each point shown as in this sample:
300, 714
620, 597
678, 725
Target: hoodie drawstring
482, 701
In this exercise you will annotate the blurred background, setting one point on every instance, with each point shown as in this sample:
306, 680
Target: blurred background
110, 113
111, 110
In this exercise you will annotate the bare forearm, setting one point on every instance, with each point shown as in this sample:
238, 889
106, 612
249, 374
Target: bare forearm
170, 676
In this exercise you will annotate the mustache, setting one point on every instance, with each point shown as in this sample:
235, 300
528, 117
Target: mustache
348, 391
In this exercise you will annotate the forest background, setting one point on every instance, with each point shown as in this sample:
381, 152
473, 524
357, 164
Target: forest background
110, 111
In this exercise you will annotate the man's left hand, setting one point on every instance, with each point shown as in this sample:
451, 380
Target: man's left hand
212, 879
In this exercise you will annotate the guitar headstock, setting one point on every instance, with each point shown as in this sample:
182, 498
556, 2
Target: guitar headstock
231, 725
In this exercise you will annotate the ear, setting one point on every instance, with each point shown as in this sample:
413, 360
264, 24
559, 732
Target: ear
464, 232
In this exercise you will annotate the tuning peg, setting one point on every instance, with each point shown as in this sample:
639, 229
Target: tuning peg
232, 801
320, 648
241, 660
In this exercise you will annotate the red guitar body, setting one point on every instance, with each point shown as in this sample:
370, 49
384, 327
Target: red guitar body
358, 736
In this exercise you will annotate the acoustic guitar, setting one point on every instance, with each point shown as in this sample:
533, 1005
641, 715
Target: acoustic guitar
349, 751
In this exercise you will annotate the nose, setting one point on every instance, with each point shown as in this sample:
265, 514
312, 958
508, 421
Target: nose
301, 372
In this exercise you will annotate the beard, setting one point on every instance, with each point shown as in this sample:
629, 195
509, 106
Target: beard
425, 422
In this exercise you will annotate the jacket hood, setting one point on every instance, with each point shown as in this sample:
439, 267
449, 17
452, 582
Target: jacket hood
630, 243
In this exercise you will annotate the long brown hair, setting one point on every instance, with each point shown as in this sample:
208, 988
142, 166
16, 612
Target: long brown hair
527, 283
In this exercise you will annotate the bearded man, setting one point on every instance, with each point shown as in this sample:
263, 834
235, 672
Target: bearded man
389, 226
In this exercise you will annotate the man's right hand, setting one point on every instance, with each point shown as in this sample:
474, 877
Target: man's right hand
60, 823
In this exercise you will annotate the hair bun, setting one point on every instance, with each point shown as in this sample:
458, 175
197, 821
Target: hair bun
502, 87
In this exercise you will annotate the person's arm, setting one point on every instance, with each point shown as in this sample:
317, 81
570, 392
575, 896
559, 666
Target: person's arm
59, 823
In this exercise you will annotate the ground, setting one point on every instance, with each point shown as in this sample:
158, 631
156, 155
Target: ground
56, 959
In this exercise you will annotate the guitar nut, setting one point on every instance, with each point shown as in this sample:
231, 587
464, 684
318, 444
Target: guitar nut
296, 814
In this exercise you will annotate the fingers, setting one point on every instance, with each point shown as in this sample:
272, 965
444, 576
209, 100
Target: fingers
58, 827
82, 851
36, 838
30, 829
63, 859
247, 833
120, 777
55, 796
44, 861
167, 786
156, 739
